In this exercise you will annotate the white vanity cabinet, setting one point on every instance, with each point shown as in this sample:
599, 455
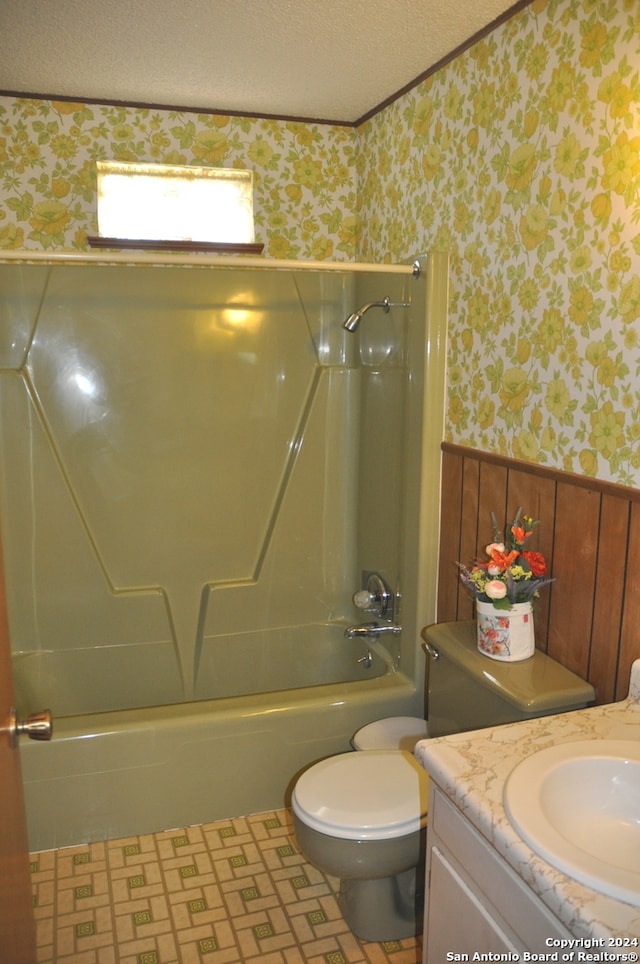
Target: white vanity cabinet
475, 903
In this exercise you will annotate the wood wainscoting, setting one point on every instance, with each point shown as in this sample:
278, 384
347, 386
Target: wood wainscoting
589, 534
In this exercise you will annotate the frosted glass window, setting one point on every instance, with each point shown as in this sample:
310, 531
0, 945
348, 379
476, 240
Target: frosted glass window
161, 202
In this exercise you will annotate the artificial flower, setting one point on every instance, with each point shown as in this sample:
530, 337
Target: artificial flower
511, 574
495, 589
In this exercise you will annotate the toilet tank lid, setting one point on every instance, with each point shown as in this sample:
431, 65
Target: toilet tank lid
535, 686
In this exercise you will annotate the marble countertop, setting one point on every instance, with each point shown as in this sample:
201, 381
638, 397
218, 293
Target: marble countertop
471, 768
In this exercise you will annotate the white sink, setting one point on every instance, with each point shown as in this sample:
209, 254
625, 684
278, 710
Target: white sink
578, 806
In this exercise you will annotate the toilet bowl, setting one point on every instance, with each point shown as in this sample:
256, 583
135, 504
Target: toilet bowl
361, 817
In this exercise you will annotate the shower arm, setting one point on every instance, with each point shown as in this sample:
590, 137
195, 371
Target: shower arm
386, 304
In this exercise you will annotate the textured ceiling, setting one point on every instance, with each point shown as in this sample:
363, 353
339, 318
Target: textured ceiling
334, 60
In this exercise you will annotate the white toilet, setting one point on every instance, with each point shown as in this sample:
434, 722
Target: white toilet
361, 817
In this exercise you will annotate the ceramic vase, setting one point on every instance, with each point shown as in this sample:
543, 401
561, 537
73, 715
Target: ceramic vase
505, 634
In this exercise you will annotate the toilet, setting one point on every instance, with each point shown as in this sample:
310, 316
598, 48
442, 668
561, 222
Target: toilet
362, 816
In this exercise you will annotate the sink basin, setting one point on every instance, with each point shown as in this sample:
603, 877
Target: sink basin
578, 806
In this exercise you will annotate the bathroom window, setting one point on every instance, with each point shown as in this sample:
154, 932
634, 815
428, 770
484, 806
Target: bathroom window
174, 203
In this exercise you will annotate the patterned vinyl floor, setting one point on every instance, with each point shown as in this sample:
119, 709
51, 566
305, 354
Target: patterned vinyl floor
228, 892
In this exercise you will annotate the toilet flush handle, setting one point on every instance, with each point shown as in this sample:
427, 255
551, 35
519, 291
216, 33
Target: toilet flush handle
431, 651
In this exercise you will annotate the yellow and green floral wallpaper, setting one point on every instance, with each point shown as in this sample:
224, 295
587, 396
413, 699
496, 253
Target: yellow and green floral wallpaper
521, 158
304, 174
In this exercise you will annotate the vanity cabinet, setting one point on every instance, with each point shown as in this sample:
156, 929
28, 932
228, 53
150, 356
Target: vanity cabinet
475, 903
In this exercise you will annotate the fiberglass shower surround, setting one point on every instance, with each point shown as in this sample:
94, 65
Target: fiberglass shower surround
181, 507
134, 579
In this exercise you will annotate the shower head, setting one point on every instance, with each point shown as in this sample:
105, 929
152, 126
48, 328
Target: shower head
353, 320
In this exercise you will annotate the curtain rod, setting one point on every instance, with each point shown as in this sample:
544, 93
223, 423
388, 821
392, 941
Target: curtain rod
201, 261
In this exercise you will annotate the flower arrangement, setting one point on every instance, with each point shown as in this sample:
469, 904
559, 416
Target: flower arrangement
512, 574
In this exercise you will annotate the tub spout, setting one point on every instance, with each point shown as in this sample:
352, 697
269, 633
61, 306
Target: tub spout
371, 629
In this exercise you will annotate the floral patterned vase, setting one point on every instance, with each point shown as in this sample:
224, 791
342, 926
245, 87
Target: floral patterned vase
505, 634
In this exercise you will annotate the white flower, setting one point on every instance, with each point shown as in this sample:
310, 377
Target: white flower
494, 570
495, 589
498, 546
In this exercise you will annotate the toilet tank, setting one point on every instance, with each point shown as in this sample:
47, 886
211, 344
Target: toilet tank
466, 690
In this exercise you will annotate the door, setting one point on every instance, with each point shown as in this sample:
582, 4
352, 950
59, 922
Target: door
17, 928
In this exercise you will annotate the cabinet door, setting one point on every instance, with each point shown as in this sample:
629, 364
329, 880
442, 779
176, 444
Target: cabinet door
457, 923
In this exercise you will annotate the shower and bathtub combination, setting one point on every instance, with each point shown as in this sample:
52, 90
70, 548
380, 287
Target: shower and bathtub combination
201, 462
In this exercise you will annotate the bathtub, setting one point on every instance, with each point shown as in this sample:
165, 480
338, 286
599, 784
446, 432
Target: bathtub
128, 772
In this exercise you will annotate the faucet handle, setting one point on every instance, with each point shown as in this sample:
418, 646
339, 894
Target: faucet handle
377, 598
364, 600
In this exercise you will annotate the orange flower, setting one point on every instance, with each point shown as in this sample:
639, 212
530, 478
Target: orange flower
536, 563
501, 560
520, 534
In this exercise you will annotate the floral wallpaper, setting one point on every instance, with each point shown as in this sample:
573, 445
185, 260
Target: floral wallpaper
521, 158
304, 174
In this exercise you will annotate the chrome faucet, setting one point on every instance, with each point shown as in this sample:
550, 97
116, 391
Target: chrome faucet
371, 629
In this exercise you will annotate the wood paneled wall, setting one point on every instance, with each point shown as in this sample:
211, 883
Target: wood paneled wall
589, 618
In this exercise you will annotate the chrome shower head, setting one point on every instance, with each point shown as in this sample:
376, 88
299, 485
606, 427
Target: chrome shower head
354, 319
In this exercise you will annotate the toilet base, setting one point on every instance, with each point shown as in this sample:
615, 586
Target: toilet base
385, 908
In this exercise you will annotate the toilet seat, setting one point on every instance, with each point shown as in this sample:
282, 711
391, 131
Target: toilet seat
370, 795
391, 733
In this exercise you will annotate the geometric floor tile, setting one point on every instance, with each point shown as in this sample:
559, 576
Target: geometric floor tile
229, 892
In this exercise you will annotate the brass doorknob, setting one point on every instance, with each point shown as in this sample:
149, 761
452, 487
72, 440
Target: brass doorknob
37, 726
